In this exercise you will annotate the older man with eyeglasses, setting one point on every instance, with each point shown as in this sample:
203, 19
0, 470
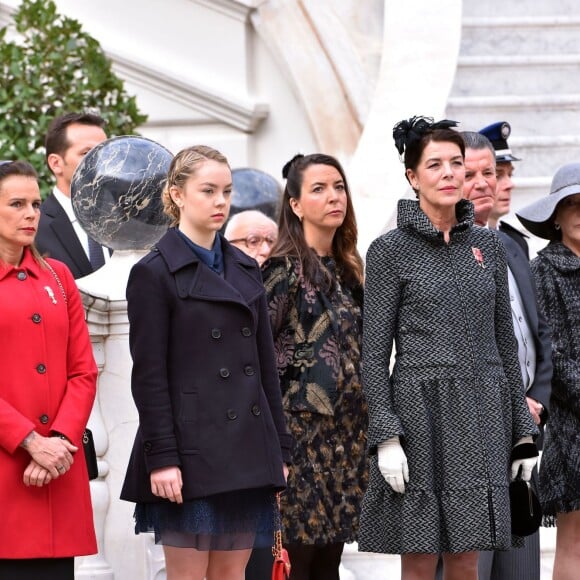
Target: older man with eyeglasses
252, 232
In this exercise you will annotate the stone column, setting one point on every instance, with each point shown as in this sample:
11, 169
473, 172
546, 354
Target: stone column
420, 51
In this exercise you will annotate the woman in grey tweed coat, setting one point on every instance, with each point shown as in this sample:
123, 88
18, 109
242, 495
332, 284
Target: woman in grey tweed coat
444, 422
556, 268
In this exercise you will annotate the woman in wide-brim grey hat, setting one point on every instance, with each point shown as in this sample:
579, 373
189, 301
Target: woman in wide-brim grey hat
540, 217
557, 273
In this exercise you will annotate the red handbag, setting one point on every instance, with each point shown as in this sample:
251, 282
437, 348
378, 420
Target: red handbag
281, 567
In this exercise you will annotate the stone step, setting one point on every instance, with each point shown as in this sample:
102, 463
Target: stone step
529, 189
544, 155
521, 35
513, 75
476, 8
538, 115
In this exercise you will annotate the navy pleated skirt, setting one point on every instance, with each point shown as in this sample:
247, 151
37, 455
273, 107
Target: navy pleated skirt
237, 520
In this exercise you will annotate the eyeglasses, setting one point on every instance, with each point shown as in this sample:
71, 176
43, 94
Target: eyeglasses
254, 241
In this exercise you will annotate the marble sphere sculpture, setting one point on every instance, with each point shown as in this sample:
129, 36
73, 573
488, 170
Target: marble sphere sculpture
255, 189
116, 192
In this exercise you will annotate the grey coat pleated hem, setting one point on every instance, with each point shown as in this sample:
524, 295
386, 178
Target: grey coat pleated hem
423, 521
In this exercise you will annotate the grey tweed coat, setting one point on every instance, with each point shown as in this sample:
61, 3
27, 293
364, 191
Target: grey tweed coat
557, 272
455, 396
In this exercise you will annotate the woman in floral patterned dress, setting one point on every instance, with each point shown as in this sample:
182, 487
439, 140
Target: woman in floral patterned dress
314, 286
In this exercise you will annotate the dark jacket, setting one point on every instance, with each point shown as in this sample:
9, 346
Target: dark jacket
517, 236
520, 268
204, 374
57, 238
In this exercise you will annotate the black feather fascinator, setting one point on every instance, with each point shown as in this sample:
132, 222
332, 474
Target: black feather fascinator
409, 131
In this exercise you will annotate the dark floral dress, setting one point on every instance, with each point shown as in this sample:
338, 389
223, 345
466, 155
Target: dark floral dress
317, 338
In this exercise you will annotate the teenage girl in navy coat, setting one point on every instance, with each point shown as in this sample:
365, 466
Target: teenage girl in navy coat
209, 453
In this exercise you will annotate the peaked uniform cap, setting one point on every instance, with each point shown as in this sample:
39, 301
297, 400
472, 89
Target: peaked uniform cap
498, 133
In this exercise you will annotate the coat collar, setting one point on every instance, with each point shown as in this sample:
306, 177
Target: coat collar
411, 216
29, 264
240, 282
561, 257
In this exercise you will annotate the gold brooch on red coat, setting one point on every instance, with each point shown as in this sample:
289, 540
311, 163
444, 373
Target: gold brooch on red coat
478, 256
50, 294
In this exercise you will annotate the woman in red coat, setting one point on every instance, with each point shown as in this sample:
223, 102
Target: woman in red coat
47, 388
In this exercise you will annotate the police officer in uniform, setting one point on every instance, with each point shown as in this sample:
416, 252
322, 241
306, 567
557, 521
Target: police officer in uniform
534, 349
498, 133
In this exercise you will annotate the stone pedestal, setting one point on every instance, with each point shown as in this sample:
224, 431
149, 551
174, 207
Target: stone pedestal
113, 421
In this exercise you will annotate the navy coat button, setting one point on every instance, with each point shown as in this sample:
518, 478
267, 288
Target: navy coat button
216, 333
232, 415
43, 419
36, 318
224, 373
246, 331
249, 370
147, 446
256, 410
21, 275
41, 368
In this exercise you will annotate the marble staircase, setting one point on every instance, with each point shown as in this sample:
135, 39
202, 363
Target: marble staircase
522, 65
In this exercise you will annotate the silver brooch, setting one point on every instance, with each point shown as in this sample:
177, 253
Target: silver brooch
50, 294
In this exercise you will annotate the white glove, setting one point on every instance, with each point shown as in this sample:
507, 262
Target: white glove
526, 464
393, 464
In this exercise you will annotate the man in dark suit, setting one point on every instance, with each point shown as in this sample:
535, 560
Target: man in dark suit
533, 337
498, 133
69, 138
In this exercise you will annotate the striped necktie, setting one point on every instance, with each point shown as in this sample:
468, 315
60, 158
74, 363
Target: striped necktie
96, 256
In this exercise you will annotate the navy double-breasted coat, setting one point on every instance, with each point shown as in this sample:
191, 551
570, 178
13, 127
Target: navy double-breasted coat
204, 375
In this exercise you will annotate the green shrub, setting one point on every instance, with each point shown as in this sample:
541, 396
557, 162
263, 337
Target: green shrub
49, 68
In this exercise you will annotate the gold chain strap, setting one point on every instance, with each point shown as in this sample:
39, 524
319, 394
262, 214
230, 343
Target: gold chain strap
57, 280
277, 547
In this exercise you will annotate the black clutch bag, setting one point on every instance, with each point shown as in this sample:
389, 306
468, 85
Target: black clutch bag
90, 454
526, 511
